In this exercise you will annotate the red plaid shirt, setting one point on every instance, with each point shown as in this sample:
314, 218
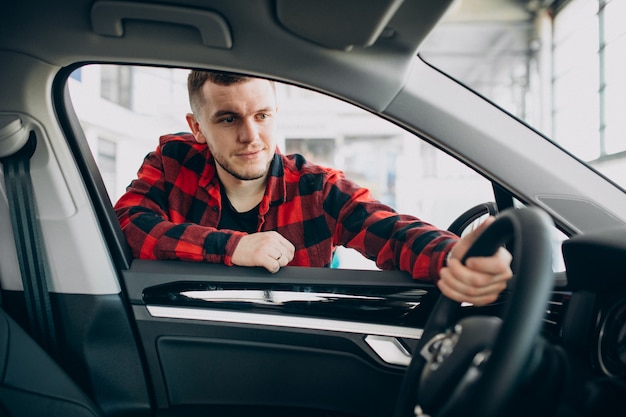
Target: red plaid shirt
171, 211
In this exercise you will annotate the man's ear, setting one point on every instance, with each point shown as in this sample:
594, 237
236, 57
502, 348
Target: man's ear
194, 125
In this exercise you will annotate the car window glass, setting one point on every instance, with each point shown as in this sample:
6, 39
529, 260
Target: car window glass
559, 67
558, 237
123, 110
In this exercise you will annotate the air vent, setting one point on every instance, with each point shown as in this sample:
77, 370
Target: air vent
555, 311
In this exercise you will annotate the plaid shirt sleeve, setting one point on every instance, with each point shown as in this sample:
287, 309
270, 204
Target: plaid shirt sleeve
153, 228
394, 241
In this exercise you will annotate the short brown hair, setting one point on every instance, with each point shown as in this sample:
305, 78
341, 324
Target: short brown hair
197, 78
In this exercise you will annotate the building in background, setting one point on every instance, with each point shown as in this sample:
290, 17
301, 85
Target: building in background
559, 65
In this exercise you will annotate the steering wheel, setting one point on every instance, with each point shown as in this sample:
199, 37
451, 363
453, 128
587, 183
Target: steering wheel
471, 215
472, 366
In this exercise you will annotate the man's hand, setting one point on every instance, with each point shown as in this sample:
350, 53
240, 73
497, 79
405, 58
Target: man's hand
267, 249
481, 279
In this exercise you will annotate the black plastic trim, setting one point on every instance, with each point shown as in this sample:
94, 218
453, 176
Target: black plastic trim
90, 173
97, 349
381, 304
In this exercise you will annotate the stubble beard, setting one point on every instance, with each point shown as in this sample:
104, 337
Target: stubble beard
240, 175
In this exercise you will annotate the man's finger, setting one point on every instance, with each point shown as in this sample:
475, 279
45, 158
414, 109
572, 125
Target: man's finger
498, 264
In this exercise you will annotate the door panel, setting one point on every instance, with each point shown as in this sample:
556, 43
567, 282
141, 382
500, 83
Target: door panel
320, 341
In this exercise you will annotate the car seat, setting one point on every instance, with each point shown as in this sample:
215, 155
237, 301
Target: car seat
32, 383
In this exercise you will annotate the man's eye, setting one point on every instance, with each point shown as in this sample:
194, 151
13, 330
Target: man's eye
263, 116
230, 119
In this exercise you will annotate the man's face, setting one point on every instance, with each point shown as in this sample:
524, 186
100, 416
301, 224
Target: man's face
237, 124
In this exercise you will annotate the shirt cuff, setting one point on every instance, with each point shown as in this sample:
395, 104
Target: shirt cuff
230, 247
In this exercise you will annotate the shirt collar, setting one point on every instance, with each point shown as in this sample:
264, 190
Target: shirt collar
275, 190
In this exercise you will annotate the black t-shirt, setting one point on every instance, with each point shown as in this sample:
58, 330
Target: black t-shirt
233, 220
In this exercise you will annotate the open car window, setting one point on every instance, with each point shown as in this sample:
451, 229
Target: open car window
124, 109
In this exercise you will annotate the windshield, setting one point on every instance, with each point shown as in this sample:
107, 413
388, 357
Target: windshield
559, 67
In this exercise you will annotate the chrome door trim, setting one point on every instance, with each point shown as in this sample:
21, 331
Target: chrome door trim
389, 349
224, 316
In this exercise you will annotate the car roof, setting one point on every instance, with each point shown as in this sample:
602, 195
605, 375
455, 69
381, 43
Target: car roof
306, 41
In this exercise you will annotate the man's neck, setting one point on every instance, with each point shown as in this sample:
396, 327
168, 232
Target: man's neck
243, 195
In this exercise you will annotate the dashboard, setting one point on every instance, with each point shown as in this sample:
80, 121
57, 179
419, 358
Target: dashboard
594, 325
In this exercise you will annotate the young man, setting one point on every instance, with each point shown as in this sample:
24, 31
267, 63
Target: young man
225, 194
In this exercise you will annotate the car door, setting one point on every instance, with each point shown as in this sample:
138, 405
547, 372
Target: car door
323, 341
176, 338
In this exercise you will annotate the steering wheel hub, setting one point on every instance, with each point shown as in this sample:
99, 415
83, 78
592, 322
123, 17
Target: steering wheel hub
453, 359
440, 347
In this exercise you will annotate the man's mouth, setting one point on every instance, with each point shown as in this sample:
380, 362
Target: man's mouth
249, 154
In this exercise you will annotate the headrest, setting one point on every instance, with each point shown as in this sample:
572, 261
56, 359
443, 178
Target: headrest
13, 134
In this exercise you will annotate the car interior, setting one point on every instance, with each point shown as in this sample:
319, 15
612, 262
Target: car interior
87, 330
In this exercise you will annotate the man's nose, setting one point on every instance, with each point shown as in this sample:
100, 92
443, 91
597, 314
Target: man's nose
249, 131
